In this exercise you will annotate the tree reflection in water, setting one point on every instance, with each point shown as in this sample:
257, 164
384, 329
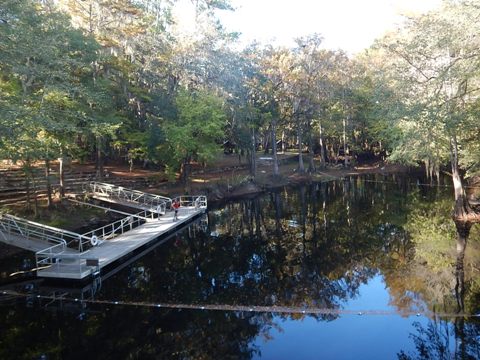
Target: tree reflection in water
313, 246
434, 341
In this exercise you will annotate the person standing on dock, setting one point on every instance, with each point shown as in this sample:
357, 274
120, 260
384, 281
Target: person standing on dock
175, 206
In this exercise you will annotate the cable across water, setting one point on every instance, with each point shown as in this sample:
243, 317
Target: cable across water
291, 310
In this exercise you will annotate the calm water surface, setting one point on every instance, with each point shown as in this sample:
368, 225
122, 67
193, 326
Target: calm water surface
376, 256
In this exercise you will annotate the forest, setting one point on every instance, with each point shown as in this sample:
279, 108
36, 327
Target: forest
104, 80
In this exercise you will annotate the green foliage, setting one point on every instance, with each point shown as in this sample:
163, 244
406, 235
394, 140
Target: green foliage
196, 133
49, 84
433, 233
115, 75
141, 145
432, 66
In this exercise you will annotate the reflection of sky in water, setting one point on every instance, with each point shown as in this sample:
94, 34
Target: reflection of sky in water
347, 337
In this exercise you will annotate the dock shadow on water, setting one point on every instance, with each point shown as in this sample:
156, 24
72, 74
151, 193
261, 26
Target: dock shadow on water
366, 265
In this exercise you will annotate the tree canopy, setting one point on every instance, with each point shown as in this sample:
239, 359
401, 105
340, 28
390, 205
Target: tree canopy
117, 80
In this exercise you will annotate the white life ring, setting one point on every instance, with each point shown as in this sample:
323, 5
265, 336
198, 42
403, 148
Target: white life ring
94, 240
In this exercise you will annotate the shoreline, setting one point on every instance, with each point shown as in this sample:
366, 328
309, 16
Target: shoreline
220, 191
217, 184
269, 183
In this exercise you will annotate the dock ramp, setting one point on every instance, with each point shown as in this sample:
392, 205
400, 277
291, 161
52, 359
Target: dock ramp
127, 197
29, 235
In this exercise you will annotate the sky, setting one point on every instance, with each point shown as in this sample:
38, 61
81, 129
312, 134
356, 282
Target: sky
351, 25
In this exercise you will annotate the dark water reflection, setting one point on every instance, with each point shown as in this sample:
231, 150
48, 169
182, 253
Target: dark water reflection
375, 244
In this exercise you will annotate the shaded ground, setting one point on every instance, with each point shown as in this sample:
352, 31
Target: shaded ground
227, 178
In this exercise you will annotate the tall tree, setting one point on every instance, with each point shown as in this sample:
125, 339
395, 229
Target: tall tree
195, 134
437, 65
56, 99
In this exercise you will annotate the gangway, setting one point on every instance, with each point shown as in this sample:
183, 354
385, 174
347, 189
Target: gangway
33, 236
132, 198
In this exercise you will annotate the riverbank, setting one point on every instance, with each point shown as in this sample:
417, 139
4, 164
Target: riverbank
227, 178
239, 183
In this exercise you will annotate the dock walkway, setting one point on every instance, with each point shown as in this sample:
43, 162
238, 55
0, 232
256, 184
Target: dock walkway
83, 265
64, 254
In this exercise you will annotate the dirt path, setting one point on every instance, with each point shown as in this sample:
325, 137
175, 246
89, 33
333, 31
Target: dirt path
228, 177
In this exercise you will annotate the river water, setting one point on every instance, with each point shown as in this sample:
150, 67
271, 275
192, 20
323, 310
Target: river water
360, 268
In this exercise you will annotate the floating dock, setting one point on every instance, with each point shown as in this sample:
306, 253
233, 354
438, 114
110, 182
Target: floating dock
63, 254
109, 251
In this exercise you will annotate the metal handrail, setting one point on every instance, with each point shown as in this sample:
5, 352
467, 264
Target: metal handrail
47, 257
119, 226
12, 225
157, 203
56, 240
49, 251
195, 201
57, 260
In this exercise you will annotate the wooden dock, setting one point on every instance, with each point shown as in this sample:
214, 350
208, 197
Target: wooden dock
81, 266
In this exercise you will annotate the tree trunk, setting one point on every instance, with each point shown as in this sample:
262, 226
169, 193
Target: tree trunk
274, 147
266, 141
283, 142
100, 159
322, 150
462, 208
35, 198
184, 172
26, 171
49, 185
311, 158
337, 154
345, 151
253, 163
301, 167
61, 171
427, 168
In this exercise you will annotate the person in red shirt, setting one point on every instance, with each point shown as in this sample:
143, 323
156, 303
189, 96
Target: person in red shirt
175, 206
